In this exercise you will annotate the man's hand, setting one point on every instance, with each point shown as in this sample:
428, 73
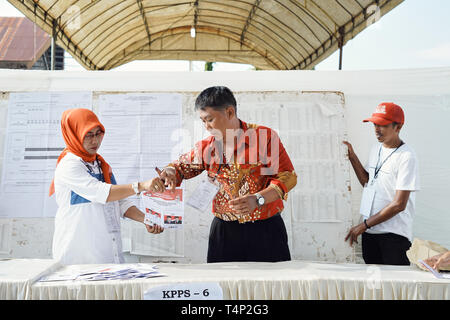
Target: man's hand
244, 205
354, 233
351, 152
361, 173
154, 229
169, 178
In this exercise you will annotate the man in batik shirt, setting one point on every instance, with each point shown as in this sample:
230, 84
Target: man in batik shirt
253, 174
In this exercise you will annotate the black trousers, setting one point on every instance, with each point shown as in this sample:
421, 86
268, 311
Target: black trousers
261, 241
386, 248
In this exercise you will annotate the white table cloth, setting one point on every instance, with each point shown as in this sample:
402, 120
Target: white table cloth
283, 280
17, 276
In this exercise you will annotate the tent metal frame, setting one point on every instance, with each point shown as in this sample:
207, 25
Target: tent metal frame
256, 27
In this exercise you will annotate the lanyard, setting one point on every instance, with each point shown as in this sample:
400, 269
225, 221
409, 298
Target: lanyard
91, 170
217, 173
378, 168
220, 167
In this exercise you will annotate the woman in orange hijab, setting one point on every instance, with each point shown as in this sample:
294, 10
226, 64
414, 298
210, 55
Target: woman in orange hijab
90, 203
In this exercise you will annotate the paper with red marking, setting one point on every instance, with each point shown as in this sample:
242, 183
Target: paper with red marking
165, 209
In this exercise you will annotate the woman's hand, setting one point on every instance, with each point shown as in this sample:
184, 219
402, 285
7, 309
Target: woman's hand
155, 229
154, 185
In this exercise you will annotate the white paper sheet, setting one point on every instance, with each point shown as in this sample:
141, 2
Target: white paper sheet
113, 272
203, 195
437, 274
139, 130
165, 209
32, 146
367, 201
139, 137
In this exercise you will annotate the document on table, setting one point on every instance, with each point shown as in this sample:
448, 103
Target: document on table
114, 272
164, 209
59, 276
121, 272
437, 274
32, 146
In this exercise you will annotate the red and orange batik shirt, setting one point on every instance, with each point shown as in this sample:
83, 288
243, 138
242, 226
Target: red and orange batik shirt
259, 161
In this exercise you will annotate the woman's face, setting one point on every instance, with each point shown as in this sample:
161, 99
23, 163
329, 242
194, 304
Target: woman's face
93, 140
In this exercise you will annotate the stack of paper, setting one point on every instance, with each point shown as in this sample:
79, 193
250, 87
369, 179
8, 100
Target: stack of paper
114, 272
434, 272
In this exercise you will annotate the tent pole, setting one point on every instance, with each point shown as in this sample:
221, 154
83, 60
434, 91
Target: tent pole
341, 46
52, 55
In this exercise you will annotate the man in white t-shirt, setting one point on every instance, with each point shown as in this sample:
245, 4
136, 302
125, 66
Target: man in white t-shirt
390, 180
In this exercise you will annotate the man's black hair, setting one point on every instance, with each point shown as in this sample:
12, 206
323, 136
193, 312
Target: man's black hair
218, 98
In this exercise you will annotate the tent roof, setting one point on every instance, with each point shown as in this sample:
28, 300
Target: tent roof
269, 34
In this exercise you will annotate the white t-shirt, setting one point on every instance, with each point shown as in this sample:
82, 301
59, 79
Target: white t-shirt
399, 172
87, 229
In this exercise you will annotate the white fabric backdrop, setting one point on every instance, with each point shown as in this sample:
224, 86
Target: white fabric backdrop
423, 93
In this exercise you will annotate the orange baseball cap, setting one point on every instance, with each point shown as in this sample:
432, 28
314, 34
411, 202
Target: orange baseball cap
386, 113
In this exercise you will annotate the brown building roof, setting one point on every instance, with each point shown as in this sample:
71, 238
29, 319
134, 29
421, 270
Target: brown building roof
21, 43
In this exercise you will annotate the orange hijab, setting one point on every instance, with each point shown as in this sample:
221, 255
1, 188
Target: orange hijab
75, 124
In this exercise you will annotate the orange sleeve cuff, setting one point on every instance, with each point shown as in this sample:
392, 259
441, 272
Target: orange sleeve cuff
279, 184
285, 181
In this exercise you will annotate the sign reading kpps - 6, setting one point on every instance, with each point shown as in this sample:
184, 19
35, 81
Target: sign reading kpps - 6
179, 294
186, 291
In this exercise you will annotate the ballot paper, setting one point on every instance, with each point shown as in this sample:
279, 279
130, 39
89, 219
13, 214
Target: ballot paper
64, 275
165, 209
438, 275
113, 272
121, 272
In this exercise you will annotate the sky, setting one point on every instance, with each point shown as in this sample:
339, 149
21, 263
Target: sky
415, 34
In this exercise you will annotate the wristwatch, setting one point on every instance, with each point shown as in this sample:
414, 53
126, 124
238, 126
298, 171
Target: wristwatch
135, 186
260, 200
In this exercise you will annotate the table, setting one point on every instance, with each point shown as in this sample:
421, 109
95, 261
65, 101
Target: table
18, 275
251, 280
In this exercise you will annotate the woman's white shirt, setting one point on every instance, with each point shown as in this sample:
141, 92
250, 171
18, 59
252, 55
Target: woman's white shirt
87, 228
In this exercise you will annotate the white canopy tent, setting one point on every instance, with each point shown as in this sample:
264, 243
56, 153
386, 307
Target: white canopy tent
269, 34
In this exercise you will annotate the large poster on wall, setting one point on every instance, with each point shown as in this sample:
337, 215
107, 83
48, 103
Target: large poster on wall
32, 146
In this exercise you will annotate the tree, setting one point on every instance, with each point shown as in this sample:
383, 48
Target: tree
209, 66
